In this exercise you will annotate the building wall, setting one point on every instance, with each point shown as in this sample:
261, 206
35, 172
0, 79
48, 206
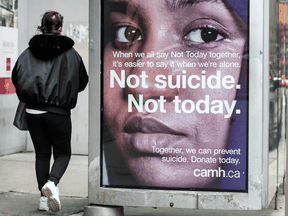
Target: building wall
11, 139
75, 26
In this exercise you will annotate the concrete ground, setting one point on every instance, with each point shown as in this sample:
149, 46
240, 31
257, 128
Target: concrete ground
19, 195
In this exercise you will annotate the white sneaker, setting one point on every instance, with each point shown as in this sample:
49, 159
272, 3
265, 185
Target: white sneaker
43, 204
52, 192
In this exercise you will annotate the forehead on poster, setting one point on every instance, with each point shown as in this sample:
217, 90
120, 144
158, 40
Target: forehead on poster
172, 70
240, 7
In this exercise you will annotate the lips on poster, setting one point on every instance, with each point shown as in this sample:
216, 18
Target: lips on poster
175, 94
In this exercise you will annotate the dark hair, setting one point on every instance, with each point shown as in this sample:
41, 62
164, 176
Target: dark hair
51, 22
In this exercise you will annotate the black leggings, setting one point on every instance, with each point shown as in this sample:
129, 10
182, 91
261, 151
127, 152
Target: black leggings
50, 130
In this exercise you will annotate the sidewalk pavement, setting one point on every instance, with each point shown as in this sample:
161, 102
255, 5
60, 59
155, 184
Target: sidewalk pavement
19, 194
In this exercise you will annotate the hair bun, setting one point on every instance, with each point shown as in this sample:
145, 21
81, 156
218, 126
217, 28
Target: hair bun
51, 22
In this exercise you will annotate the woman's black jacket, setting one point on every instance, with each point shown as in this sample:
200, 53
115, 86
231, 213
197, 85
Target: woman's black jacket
49, 74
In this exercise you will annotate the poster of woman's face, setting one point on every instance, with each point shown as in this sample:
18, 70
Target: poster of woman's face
174, 93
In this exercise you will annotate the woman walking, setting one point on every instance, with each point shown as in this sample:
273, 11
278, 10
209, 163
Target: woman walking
48, 76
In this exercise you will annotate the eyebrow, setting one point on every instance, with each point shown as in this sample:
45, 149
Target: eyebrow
174, 5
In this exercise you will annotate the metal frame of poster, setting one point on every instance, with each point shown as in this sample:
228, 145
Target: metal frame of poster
173, 111
177, 72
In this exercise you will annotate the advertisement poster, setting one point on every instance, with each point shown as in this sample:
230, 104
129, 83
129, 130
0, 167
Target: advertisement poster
8, 57
175, 94
9, 50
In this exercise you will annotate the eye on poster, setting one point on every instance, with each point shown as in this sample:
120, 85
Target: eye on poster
175, 94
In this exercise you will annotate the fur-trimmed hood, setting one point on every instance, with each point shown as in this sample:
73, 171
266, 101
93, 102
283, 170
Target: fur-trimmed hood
50, 45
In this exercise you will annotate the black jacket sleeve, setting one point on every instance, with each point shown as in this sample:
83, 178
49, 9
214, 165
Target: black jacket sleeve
14, 74
83, 77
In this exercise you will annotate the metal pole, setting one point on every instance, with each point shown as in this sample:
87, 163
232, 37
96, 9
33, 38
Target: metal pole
286, 194
284, 46
285, 186
94, 210
94, 110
